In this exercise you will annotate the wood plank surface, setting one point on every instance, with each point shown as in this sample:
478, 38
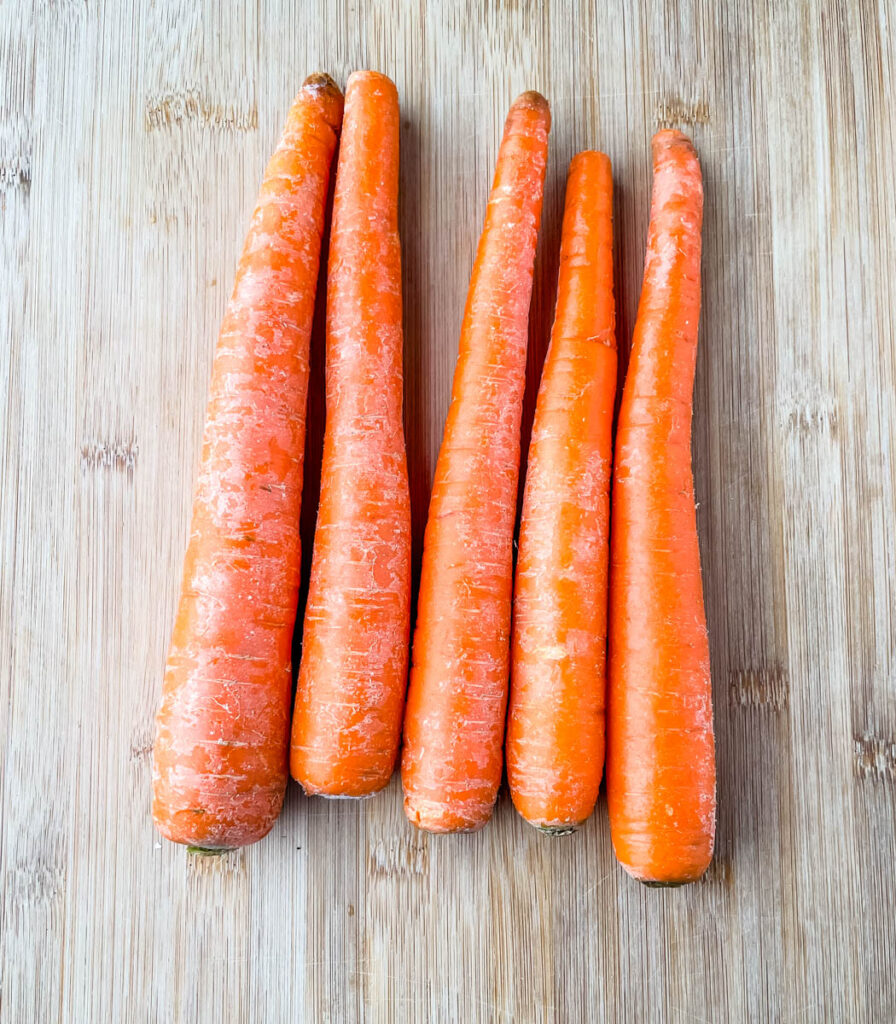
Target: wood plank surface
132, 140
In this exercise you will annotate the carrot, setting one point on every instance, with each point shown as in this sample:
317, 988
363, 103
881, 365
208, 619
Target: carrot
454, 726
347, 721
660, 755
555, 725
220, 756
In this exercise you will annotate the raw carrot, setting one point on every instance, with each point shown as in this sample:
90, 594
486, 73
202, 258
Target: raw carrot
454, 726
353, 675
660, 753
220, 757
555, 725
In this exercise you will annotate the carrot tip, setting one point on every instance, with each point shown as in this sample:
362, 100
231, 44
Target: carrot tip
592, 157
321, 80
370, 76
557, 830
534, 99
324, 795
670, 138
437, 824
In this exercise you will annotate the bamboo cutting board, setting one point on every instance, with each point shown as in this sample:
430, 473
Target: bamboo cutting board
132, 140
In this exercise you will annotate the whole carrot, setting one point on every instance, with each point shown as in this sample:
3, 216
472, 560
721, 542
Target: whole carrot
454, 726
555, 725
347, 721
660, 754
220, 756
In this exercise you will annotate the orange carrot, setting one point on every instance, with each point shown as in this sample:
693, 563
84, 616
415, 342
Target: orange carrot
220, 757
347, 721
555, 726
660, 754
457, 699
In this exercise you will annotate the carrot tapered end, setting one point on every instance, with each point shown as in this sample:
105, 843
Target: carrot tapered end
594, 160
534, 101
321, 80
557, 830
322, 93
672, 139
357, 77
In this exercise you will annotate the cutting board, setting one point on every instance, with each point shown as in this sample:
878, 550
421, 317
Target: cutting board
132, 140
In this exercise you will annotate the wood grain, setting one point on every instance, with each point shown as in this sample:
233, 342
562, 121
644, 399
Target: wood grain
132, 140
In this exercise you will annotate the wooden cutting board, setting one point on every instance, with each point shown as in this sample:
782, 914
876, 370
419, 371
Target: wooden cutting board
132, 140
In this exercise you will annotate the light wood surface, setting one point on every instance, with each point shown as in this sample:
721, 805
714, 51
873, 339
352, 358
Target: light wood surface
132, 140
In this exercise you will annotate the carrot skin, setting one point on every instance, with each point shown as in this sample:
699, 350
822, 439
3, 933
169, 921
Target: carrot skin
353, 676
660, 756
454, 724
555, 725
220, 754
